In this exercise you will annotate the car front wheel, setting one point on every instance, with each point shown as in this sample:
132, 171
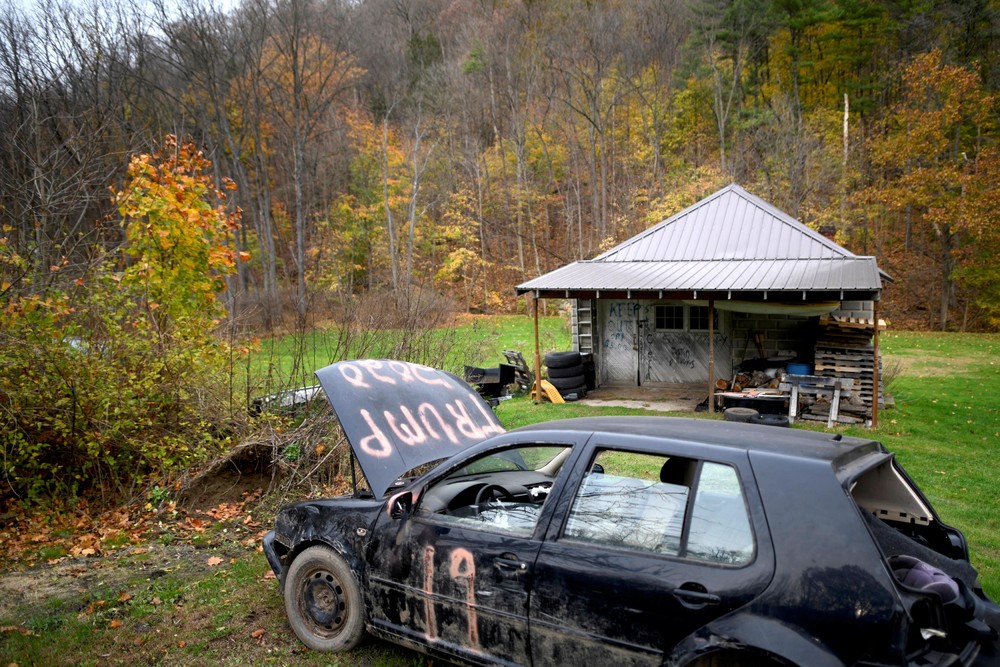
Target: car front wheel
323, 601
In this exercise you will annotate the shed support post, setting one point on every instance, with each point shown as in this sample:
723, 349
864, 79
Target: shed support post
876, 362
538, 354
711, 355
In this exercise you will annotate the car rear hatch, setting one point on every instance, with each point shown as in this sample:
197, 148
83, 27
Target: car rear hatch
950, 619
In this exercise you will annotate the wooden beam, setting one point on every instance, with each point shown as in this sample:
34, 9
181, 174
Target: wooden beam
538, 355
876, 362
711, 355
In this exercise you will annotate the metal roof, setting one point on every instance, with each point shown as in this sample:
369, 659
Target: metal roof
731, 241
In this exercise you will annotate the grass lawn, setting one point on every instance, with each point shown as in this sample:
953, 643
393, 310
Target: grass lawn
945, 429
473, 340
214, 603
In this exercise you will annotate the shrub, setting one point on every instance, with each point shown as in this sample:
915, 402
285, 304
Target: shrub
116, 378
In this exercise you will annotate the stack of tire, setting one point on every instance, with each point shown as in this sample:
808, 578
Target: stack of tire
565, 370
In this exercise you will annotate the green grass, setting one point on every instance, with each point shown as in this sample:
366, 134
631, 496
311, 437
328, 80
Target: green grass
476, 341
945, 431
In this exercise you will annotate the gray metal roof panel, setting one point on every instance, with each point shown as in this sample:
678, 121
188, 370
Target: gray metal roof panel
731, 240
847, 273
732, 223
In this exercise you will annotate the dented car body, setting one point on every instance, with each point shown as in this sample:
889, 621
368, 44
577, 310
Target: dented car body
626, 540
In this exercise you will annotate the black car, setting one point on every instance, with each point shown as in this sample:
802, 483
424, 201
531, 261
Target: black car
619, 540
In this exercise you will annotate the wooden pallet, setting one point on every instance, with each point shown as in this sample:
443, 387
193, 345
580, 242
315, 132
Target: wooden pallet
845, 350
523, 376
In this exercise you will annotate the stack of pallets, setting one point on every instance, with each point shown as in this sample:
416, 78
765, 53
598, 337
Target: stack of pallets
844, 350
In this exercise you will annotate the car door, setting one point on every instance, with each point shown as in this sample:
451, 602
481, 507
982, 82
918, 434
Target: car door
648, 549
454, 576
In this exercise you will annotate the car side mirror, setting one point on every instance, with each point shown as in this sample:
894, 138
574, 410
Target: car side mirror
400, 505
597, 468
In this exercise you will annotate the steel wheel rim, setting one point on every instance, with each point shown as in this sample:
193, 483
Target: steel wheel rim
323, 603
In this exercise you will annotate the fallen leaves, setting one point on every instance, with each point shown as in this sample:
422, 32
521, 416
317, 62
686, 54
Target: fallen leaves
213, 561
75, 531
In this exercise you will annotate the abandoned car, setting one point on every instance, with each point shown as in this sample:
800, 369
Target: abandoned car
619, 540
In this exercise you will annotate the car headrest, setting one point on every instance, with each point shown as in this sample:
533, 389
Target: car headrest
677, 470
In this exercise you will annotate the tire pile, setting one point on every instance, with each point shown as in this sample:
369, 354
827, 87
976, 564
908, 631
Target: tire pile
566, 374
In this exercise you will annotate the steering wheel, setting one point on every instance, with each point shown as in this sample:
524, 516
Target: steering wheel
492, 492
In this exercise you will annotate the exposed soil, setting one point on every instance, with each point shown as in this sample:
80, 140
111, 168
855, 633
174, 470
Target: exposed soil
663, 397
181, 539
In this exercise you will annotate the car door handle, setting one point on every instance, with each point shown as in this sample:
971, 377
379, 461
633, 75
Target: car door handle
508, 565
511, 564
701, 597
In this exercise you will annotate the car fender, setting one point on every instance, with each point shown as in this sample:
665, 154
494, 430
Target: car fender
342, 525
338, 545
743, 631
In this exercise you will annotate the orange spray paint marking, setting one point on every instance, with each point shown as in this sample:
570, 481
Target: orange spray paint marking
382, 446
429, 614
463, 568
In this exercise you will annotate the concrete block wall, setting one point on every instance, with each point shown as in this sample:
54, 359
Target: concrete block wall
781, 332
859, 309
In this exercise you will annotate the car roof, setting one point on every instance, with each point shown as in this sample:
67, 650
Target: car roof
797, 443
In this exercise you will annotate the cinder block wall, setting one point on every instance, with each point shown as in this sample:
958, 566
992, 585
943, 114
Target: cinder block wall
787, 332
781, 332
858, 309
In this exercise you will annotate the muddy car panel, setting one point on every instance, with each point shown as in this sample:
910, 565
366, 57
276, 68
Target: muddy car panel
456, 585
340, 523
656, 541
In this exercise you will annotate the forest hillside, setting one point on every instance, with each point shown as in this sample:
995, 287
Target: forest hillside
181, 179
449, 149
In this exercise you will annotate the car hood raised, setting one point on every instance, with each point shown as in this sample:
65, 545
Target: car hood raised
397, 415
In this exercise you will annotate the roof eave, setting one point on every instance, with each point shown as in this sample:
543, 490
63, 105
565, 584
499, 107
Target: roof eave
776, 296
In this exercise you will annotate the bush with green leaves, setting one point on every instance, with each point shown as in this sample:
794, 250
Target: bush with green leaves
115, 379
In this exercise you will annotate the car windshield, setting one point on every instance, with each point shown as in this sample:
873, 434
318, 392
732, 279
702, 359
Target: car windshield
533, 458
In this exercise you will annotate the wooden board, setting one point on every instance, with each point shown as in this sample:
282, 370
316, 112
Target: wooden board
549, 392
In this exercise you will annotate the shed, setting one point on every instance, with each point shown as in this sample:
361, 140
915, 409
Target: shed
728, 279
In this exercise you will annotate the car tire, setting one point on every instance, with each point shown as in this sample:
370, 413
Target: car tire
562, 359
745, 415
563, 384
568, 372
771, 420
323, 601
575, 394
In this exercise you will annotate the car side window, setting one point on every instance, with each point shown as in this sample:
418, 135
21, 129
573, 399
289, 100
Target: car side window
644, 502
501, 492
720, 527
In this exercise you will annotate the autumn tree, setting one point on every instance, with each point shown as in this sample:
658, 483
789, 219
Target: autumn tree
116, 379
934, 157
